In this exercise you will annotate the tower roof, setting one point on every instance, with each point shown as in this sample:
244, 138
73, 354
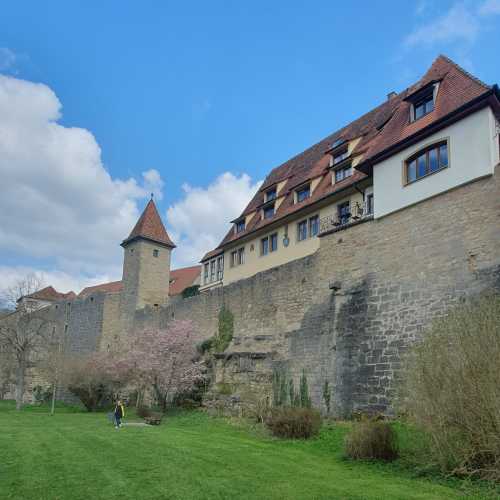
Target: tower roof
150, 227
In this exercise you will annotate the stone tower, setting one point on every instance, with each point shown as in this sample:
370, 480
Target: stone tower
146, 263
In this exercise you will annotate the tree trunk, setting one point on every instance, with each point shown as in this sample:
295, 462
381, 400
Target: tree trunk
20, 381
54, 391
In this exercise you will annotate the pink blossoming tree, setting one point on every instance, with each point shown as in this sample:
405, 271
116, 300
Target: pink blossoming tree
164, 360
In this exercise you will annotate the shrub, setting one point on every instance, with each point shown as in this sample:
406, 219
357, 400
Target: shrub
291, 422
190, 291
451, 389
371, 440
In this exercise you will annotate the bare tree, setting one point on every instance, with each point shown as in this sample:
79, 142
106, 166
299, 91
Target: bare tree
25, 332
13, 295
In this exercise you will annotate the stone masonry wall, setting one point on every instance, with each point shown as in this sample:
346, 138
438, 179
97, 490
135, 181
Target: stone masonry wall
349, 312
345, 315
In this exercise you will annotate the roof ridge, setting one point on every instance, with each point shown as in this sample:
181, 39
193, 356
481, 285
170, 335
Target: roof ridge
150, 226
463, 70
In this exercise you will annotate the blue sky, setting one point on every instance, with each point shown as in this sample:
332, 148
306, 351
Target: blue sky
209, 96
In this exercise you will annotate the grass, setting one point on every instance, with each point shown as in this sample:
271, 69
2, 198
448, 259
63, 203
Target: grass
75, 455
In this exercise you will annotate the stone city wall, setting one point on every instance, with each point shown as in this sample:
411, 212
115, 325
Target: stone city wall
348, 313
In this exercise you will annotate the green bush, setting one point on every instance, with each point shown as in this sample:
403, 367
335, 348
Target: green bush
371, 440
451, 389
291, 422
191, 291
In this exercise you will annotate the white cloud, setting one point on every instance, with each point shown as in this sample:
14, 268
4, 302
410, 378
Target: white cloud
200, 220
7, 58
490, 7
458, 24
60, 280
58, 203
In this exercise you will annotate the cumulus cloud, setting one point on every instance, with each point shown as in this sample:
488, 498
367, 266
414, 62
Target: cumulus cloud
199, 221
60, 280
458, 24
7, 59
57, 200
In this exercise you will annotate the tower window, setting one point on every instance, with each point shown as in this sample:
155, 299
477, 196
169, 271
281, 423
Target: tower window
156, 253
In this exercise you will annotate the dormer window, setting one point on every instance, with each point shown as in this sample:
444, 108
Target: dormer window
268, 211
422, 101
303, 193
271, 194
340, 156
424, 106
240, 226
343, 173
338, 143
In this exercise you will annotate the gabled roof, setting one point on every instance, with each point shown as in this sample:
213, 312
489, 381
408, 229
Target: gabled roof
380, 130
150, 227
50, 294
180, 279
111, 287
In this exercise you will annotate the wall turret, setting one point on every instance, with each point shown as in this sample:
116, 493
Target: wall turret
146, 262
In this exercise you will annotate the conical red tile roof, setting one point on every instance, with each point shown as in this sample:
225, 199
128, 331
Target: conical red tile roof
150, 227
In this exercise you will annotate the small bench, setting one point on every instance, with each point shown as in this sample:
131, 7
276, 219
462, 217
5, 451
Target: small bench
154, 419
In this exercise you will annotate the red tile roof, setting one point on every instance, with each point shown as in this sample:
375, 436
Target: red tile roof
180, 279
150, 227
380, 129
50, 294
112, 287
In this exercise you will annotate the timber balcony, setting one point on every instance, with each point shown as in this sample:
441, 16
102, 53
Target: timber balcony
347, 215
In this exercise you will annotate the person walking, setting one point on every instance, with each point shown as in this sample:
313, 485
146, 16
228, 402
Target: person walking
119, 413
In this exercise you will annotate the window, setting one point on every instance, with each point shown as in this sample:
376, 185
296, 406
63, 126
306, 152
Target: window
302, 230
234, 258
428, 161
240, 226
264, 246
344, 212
220, 268
241, 256
369, 204
313, 226
155, 253
212, 270
423, 106
343, 173
337, 143
273, 242
340, 156
205, 272
271, 194
303, 193
269, 211
422, 102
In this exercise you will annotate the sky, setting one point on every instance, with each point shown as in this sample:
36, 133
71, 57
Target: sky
102, 103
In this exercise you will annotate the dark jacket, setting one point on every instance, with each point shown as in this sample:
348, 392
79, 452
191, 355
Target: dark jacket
119, 411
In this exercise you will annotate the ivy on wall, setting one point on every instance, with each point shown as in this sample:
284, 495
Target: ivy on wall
220, 342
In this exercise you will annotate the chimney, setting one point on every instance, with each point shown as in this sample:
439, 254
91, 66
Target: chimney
390, 95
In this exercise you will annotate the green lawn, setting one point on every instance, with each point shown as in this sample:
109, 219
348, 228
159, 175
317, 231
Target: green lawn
81, 456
